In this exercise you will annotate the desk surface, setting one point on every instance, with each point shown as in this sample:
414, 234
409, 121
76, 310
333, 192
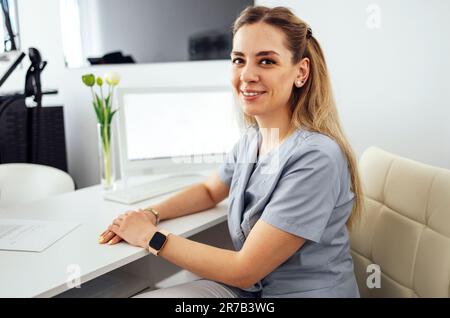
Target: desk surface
27, 274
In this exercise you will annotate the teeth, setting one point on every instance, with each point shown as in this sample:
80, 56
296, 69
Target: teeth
250, 94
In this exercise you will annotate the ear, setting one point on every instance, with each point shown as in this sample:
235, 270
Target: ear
302, 72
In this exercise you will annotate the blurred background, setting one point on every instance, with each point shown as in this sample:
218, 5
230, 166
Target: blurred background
388, 60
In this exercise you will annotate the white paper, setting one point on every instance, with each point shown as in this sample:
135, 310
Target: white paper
32, 236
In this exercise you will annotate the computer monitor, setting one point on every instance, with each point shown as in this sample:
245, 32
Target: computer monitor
175, 130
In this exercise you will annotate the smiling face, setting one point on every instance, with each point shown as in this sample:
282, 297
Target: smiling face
263, 74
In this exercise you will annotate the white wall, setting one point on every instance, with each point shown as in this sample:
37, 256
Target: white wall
391, 83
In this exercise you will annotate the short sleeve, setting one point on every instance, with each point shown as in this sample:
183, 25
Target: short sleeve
306, 193
226, 168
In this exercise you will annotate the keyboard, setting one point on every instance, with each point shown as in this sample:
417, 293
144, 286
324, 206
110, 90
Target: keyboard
152, 189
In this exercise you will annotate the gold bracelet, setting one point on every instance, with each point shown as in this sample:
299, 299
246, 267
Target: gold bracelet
155, 213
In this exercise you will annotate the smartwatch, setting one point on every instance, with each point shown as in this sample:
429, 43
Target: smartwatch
158, 241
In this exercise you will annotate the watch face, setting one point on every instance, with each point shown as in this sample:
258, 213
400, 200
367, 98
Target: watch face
157, 241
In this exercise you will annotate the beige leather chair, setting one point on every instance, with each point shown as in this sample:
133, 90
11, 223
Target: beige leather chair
25, 182
405, 228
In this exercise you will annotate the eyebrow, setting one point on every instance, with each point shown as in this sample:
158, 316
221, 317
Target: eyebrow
262, 53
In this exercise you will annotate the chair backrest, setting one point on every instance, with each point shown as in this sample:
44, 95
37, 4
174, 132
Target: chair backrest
405, 228
24, 182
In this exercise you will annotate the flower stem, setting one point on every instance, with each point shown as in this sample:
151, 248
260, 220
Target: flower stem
111, 100
106, 138
107, 164
93, 95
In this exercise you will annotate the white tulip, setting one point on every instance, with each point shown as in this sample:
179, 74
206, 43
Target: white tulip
112, 78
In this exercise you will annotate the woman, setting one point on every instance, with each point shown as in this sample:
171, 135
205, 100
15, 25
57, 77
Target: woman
291, 201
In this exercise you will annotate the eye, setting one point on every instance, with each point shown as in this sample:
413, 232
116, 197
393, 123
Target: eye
237, 60
267, 62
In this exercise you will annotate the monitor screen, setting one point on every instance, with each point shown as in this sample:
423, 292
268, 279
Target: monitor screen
175, 123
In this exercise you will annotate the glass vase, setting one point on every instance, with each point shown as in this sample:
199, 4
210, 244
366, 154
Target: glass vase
106, 156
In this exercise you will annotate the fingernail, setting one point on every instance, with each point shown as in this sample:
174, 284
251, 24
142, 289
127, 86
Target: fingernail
100, 239
110, 242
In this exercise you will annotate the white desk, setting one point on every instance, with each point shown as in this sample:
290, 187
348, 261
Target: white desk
26, 274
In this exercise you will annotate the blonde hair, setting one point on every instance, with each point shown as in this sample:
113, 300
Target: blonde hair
312, 106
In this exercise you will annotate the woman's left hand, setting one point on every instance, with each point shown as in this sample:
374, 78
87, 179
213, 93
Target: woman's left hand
136, 228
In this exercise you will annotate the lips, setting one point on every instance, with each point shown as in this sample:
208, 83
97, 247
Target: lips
250, 93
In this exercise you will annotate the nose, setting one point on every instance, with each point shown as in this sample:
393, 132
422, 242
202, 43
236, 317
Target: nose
249, 74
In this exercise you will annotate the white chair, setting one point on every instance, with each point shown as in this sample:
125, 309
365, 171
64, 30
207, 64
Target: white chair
405, 228
24, 182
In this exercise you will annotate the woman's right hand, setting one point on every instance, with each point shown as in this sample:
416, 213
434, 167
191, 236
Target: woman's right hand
111, 238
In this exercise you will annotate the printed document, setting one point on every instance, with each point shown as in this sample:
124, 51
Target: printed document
30, 235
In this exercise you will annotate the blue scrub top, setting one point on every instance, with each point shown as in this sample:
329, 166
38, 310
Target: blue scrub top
302, 187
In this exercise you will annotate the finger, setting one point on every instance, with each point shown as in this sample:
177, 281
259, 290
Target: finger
125, 215
115, 229
118, 222
119, 219
107, 237
101, 238
116, 239
110, 227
